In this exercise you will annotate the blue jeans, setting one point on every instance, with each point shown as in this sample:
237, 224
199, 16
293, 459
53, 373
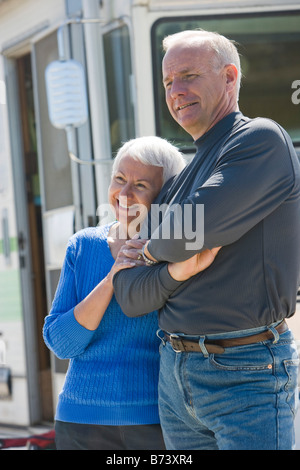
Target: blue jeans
243, 399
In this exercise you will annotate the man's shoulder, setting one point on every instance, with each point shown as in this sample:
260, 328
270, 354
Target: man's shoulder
263, 127
258, 132
261, 138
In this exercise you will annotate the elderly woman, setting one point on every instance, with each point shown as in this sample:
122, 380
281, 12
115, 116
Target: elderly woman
109, 398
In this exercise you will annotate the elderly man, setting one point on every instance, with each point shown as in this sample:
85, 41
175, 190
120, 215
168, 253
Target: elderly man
228, 371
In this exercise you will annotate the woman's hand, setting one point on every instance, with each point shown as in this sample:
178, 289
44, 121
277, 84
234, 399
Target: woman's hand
128, 257
183, 270
180, 271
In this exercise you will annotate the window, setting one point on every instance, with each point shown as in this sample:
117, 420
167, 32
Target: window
54, 153
118, 78
269, 47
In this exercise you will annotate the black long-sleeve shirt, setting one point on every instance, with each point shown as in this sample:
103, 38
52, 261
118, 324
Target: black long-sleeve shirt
246, 174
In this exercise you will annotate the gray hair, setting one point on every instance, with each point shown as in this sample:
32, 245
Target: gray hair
225, 50
152, 150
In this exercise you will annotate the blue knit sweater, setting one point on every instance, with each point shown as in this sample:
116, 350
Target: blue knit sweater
112, 377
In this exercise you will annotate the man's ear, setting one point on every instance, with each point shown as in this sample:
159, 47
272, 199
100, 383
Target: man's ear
231, 76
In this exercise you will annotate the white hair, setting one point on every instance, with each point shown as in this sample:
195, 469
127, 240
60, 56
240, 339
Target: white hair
225, 50
152, 150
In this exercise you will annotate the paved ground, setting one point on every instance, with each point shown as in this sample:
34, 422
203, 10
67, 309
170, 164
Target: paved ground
7, 432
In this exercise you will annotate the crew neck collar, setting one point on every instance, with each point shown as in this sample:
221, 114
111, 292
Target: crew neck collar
221, 127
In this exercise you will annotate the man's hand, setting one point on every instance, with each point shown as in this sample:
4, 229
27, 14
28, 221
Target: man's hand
183, 270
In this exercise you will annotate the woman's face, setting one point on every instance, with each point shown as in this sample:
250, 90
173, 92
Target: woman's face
132, 189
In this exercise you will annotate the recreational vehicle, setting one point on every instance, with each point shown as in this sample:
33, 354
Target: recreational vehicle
54, 177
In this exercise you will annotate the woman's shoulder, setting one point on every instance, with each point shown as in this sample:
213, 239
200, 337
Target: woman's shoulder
90, 235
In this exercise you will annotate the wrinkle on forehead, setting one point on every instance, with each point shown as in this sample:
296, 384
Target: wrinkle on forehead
181, 59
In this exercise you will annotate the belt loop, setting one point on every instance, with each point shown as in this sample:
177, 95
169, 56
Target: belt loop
202, 346
162, 339
275, 334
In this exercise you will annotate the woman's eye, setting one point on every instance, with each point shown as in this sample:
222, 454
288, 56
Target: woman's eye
119, 179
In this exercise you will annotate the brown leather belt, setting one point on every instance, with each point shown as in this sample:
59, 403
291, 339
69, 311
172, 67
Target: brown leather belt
217, 346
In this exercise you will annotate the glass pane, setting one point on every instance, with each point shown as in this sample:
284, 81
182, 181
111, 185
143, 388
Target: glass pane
56, 162
269, 48
4, 170
118, 78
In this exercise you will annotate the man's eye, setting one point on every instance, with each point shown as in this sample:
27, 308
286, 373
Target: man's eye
190, 76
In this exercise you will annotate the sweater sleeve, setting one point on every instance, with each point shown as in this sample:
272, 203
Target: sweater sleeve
62, 333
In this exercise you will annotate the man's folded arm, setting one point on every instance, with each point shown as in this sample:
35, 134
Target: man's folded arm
144, 289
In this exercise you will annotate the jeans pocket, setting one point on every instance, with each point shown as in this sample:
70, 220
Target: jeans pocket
291, 387
243, 359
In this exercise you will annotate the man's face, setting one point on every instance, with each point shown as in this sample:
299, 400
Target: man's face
196, 92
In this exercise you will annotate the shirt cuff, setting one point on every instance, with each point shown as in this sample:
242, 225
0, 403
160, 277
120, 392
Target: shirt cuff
166, 279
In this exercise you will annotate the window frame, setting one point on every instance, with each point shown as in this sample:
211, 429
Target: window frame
203, 17
118, 25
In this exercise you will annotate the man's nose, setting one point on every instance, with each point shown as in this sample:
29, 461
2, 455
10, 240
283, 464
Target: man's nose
177, 88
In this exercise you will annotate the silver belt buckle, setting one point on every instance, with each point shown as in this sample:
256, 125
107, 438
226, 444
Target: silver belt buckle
173, 340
